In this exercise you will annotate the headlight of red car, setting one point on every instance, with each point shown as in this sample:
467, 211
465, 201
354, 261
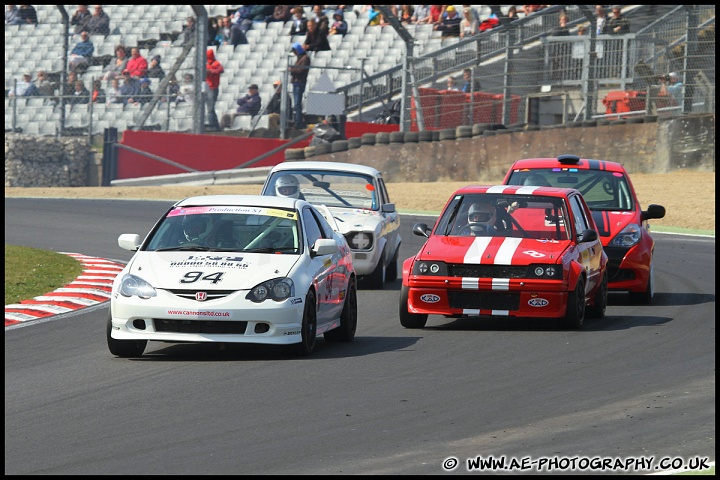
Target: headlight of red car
434, 268
629, 236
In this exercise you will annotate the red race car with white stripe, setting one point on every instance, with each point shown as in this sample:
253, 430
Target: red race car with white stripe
510, 251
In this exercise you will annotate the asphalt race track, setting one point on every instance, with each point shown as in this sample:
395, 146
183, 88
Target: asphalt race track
638, 384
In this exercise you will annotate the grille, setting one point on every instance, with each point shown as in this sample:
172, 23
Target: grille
487, 271
211, 294
485, 301
199, 326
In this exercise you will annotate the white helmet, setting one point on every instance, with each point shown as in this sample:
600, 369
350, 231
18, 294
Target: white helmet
287, 186
196, 227
481, 218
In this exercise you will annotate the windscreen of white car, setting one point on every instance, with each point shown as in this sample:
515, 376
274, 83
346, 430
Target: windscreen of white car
227, 228
333, 189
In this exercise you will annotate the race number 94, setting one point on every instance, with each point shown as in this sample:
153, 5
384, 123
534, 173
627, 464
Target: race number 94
192, 277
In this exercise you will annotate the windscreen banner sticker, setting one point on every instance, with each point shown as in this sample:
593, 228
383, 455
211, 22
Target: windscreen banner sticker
270, 212
227, 261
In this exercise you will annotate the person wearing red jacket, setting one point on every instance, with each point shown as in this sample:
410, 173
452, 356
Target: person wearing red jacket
137, 65
213, 70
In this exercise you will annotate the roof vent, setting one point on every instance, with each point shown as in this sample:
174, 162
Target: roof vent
568, 159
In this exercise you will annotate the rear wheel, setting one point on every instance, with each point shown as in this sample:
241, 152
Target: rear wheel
392, 268
124, 348
407, 319
308, 329
348, 318
646, 296
575, 315
600, 304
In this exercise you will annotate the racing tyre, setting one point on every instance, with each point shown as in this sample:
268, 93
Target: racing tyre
575, 315
377, 277
392, 269
124, 348
308, 329
600, 304
348, 317
644, 298
407, 319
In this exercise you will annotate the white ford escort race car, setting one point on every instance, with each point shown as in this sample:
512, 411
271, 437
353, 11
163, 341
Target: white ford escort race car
235, 269
358, 202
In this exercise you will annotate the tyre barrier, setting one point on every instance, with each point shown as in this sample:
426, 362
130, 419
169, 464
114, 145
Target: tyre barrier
435, 135
309, 151
447, 134
463, 131
354, 142
425, 136
412, 137
382, 138
367, 139
396, 137
339, 146
323, 148
295, 154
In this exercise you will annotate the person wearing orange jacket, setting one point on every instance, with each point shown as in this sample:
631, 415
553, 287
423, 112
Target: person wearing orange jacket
213, 70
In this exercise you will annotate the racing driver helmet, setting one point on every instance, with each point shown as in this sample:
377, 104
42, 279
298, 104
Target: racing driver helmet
481, 218
196, 227
287, 186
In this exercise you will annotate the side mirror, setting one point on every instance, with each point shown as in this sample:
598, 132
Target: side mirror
129, 241
653, 211
388, 207
421, 230
588, 235
323, 246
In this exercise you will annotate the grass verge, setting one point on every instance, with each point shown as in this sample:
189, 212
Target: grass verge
30, 272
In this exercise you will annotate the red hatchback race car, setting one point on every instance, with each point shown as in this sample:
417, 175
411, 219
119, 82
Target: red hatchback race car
509, 251
622, 224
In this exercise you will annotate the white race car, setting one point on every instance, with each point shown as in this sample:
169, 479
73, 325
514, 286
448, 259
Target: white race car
356, 200
235, 269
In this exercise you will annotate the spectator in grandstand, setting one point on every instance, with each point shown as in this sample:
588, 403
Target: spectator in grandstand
171, 90
113, 92
44, 85
242, 18
187, 34
81, 95
225, 30
144, 93
137, 65
274, 106
98, 93
452, 84
299, 73
405, 15
449, 25
237, 36
436, 13
28, 15
129, 87
530, 9
299, 25
186, 92
618, 24
316, 39
212, 32
562, 29
258, 13
600, 20
421, 15
577, 54
81, 52
12, 15
671, 85
155, 70
374, 16
512, 14
24, 87
213, 70
99, 22
339, 25
68, 88
469, 85
248, 104
281, 13
469, 25
116, 67
489, 23
80, 18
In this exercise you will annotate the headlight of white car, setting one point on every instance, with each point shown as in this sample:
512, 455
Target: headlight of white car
629, 236
277, 289
359, 240
130, 286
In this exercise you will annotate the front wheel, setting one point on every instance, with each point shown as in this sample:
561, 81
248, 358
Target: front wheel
644, 297
348, 318
407, 319
308, 329
123, 348
575, 315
